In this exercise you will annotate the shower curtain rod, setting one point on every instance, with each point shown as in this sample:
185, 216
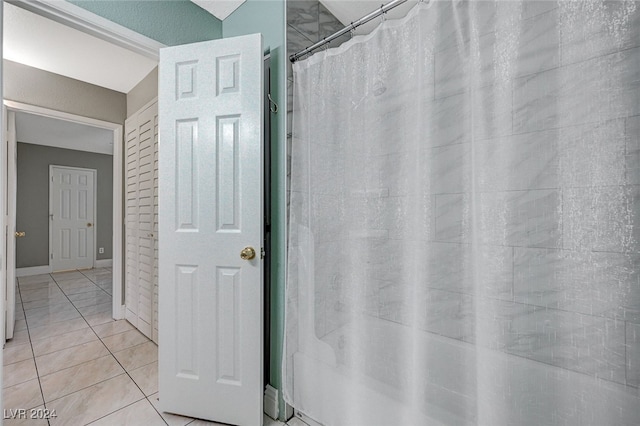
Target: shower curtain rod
382, 10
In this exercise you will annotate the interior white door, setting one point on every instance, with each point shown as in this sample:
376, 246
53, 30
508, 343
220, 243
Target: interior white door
72, 198
211, 300
11, 188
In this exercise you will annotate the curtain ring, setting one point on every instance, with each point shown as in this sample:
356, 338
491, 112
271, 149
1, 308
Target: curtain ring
383, 13
273, 106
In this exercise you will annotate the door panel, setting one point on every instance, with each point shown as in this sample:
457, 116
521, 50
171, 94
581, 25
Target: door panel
211, 300
72, 217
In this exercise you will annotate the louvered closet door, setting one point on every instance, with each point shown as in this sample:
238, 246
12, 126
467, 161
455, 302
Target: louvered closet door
141, 285
131, 227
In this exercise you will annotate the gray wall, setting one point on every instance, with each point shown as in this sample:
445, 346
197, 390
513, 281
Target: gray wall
37, 87
33, 199
143, 93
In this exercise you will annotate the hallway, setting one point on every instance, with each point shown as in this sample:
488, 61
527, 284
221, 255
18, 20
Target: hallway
68, 355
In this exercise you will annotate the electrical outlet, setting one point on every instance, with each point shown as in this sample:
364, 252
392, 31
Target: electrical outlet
101, 250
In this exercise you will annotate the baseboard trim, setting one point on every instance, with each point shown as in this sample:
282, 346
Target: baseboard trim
33, 270
271, 402
104, 263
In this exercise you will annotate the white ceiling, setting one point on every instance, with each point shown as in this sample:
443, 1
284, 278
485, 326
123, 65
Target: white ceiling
348, 11
38, 130
41, 43
219, 8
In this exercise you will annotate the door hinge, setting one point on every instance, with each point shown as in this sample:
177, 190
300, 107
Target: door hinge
52, 255
263, 253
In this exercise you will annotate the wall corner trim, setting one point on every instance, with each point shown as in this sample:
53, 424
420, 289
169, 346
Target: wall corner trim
76, 17
271, 406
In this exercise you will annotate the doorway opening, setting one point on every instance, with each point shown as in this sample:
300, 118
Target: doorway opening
115, 131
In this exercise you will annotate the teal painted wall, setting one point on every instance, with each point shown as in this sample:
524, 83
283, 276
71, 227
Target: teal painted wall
170, 22
268, 17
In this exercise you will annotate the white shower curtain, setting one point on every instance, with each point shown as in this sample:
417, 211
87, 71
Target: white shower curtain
465, 219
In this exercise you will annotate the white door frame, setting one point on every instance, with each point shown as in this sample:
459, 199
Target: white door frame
95, 210
118, 306
9, 191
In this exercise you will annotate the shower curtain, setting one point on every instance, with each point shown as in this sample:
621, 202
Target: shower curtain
464, 230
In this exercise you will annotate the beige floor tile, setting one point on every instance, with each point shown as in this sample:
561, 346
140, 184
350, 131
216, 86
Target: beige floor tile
19, 338
70, 278
107, 289
58, 311
125, 340
52, 302
146, 378
86, 295
67, 275
20, 325
24, 419
103, 282
18, 372
16, 353
170, 419
198, 422
97, 401
50, 284
34, 279
140, 413
50, 309
49, 330
41, 294
268, 421
97, 299
78, 287
66, 358
70, 380
24, 395
101, 318
65, 314
96, 309
19, 313
113, 327
137, 356
63, 341
102, 277
73, 282
296, 422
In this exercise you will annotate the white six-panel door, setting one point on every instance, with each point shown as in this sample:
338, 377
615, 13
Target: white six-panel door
211, 300
72, 193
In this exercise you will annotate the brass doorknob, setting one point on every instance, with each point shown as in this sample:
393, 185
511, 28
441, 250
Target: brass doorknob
20, 234
247, 253
89, 225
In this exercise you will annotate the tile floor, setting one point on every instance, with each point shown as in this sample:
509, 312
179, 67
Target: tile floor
69, 355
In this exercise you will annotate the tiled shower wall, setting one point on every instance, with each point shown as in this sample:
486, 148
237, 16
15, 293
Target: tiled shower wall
564, 287
565, 283
308, 21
